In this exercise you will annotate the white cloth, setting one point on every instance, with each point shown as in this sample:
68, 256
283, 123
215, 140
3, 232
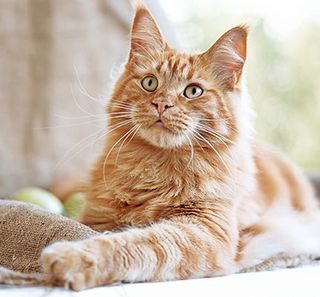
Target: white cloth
296, 282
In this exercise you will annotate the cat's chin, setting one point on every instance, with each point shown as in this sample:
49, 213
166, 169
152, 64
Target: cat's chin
162, 137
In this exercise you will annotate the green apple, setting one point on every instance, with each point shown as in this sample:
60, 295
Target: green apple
74, 205
39, 197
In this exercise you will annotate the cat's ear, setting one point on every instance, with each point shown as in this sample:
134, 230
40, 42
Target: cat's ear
146, 38
226, 57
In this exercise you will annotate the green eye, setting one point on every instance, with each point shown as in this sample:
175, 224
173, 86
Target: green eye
192, 91
149, 83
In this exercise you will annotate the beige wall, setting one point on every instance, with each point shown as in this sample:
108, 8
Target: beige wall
42, 43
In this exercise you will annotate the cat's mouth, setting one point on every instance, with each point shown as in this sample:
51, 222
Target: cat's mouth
163, 125
159, 124
163, 133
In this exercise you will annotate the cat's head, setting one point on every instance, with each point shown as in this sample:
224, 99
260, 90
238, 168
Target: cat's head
172, 99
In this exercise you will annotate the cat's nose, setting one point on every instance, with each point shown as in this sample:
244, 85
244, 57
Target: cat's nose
162, 105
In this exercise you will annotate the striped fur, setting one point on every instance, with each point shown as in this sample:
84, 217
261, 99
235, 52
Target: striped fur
193, 196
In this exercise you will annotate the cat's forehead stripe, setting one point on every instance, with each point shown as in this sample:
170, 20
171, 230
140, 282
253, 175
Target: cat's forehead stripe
175, 64
171, 61
174, 67
190, 74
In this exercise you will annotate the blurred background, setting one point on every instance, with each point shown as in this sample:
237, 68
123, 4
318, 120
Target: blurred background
58, 60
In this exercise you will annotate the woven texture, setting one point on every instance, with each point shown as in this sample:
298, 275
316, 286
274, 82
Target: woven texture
26, 229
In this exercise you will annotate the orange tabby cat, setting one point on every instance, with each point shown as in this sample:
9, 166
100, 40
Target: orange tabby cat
180, 183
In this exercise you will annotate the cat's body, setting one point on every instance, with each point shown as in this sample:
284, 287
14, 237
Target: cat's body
141, 197
180, 183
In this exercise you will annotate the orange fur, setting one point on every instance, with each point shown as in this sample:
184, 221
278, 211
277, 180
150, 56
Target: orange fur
183, 187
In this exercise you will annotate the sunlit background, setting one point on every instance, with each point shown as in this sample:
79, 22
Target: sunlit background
283, 66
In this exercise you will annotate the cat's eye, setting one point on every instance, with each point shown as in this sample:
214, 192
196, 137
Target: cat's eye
149, 83
192, 91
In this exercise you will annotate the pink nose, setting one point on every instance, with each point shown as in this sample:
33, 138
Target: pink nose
162, 105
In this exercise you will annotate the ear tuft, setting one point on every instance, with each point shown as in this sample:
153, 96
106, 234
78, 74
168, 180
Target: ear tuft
227, 56
146, 38
137, 4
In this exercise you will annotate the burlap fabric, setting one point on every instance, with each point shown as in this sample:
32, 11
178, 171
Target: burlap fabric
26, 229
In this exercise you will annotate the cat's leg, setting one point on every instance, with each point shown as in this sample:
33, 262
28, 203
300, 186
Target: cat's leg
175, 249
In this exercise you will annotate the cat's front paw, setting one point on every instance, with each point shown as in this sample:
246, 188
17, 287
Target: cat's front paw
71, 265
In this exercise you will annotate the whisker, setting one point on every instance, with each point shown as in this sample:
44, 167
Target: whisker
233, 182
70, 125
134, 134
107, 156
214, 133
118, 117
80, 117
191, 150
75, 100
69, 152
121, 102
132, 131
219, 137
223, 142
216, 152
119, 113
84, 91
95, 117
199, 144
222, 119
115, 105
80, 147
